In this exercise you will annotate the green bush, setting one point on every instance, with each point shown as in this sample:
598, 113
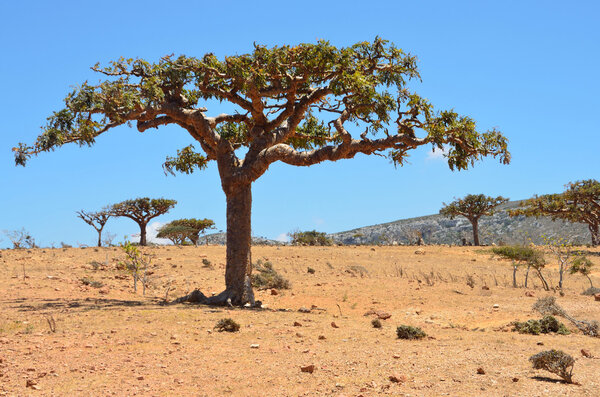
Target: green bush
408, 332
519, 253
265, 277
311, 237
227, 325
546, 325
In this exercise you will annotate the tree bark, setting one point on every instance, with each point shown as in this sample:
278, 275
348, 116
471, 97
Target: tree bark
239, 235
527, 276
142, 233
99, 238
594, 231
475, 223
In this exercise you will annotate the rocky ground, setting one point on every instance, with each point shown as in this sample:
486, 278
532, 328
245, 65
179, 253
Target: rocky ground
70, 323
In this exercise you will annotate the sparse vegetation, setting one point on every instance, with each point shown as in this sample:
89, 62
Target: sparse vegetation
548, 324
376, 323
556, 362
136, 263
20, 238
141, 211
91, 283
97, 220
227, 325
523, 256
266, 277
548, 306
582, 265
311, 237
409, 332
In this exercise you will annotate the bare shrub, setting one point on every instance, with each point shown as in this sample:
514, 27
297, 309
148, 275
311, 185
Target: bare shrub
411, 333
227, 325
265, 277
555, 361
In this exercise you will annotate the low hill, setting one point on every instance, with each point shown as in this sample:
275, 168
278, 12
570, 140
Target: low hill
436, 229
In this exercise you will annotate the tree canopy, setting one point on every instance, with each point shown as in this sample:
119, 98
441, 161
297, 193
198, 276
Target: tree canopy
580, 202
472, 207
180, 230
142, 210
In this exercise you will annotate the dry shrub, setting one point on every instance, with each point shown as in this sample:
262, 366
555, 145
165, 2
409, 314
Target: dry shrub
555, 361
408, 332
265, 277
227, 325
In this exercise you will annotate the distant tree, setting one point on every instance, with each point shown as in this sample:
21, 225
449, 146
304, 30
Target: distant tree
311, 237
291, 104
20, 238
473, 207
524, 256
195, 226
97, 220
141, 211
583, 266
580, 203
177, 234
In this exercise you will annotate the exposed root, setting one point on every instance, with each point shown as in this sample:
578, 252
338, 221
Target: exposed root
225, 298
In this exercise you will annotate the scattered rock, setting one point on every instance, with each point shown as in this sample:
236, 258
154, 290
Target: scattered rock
140, 378
304, 310
597, 297
31, 383
396, 378
496, 306
481, 371
540, 343
515, 380
299, 335
396, 356
104, 290
420, 252
254, 346
274, 292
308, 368
485, 287
322, 337
383, 315
297, 324
586, 353
334, 325
529, 294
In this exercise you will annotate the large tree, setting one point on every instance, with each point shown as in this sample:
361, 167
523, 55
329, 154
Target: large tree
300, 105
141, 211
580, 203
97, 220
473, 207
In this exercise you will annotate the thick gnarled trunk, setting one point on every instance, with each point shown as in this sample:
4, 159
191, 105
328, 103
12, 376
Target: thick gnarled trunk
239, 235
142, 233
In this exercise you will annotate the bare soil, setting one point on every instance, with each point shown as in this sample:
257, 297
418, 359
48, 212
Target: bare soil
108, 340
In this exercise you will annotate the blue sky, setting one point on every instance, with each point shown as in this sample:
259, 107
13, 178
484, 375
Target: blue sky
529, 68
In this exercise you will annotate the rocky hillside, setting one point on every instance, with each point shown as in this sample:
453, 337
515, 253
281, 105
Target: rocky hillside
436, 229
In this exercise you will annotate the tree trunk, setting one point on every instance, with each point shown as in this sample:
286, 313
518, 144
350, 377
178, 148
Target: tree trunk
595, 232
142, 233
239, 235
238, 287
475, 223
544, 283
527, 275
514, 276
100, 238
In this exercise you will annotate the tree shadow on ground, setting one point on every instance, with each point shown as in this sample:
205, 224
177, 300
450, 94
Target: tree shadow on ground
552, 380
84, 304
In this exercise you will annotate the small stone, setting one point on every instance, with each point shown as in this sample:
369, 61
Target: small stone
322, 337
304, 310
274, 292
420, 252
529, 294
485, 288
140, 378
496, 306
299, 335
297, 324
396, 378
254, 346
104, 290
383, 315
308, 368
540, 343
334, 325
597, 297
89, 346
515, 380
396, 356
586, 353
30, 383
480, 371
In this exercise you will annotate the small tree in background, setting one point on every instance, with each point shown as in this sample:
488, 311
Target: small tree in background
177, 234
472, 207
142, 210
523, 256
583, 266
580, 203
196, 227
97, 220
20, 238
311, 237
564, 253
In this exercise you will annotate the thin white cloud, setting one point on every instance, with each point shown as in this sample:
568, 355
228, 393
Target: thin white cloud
437, 154
152, 231
283, 238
